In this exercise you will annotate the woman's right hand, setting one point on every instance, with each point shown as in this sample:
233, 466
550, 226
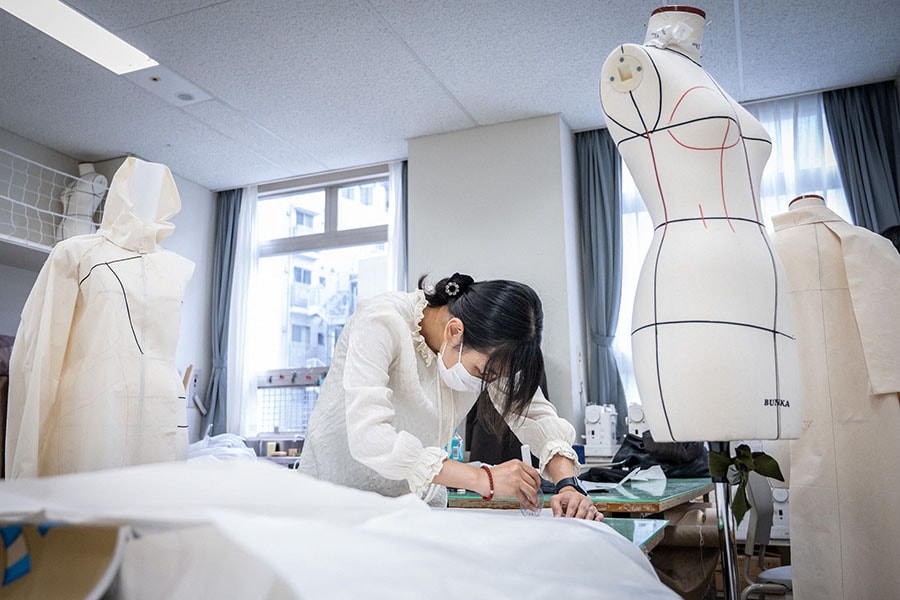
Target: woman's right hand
515, 479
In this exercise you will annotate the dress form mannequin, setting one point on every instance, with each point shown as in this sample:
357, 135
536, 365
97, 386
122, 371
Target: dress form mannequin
93, 382
714, 352
843, 282
80, 201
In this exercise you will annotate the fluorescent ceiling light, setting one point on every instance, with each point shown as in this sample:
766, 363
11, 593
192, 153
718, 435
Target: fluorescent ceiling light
79, 33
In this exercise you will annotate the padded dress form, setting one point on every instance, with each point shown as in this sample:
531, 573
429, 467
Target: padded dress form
93, 382
713, 347
844, 285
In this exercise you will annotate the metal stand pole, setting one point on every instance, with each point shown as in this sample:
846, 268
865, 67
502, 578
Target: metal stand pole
730, 581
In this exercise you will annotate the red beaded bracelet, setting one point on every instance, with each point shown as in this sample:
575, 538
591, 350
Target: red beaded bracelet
490, 495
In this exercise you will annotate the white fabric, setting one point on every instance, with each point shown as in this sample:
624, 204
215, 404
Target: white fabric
844, 284
224, 446
93, 383
712, 342
251, 529
384, 416
241, 411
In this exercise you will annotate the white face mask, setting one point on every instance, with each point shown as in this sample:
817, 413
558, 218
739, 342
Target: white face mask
458, 377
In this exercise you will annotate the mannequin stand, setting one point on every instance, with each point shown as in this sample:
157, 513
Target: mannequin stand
726, 527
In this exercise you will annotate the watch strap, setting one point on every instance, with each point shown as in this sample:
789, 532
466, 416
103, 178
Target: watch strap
570, 482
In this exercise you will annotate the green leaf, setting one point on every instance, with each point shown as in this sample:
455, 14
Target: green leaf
718, 464
767, 466
740, 505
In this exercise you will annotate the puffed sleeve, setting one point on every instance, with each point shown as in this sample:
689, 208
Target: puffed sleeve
374, 441
37, 359
540, 427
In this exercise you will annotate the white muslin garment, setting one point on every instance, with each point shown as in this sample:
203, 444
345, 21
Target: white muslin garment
93, 382
844, 286
253, 529
384, 415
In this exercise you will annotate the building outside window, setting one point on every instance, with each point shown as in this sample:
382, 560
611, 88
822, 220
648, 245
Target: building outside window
332, 233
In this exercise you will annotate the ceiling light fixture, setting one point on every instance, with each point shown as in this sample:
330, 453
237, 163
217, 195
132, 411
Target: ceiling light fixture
70, 27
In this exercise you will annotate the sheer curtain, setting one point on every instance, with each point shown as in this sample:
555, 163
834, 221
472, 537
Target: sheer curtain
241, 388
243, 414
397, 267
802, 162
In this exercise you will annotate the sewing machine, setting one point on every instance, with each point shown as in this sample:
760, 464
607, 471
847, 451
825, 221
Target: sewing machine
600, 430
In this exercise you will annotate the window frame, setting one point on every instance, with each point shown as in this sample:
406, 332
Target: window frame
332, 237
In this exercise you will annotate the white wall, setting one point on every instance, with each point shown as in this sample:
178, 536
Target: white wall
498, 202
34, 151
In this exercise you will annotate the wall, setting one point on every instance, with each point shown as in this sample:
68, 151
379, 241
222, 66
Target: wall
500, 202
17, 284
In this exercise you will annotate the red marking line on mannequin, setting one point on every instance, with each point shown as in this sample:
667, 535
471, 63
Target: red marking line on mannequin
700, 206
721, 147
722, 175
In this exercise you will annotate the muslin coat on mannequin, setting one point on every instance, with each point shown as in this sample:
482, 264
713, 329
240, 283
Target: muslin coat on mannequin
93, 383
844, 286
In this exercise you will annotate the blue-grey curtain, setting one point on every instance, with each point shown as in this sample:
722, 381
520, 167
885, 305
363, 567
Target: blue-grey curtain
600, 212
865, 131
228, 209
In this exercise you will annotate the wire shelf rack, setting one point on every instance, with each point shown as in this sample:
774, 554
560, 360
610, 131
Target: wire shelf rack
286, 398
31, 205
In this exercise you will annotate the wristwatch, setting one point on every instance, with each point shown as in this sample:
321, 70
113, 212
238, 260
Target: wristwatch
570, 482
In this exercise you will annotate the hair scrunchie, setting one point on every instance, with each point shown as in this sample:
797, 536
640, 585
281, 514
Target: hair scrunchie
457, 284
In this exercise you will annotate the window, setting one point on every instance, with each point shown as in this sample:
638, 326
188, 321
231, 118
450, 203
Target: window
332, 231
300, 334
304, 219
802, 161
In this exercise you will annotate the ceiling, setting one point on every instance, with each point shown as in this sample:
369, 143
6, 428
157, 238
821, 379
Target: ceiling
304, 86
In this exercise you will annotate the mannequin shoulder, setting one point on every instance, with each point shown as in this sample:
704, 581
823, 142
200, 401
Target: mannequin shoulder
624, 69
630, 90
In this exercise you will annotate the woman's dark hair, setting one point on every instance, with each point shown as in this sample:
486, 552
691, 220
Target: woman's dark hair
502, 319
893, 233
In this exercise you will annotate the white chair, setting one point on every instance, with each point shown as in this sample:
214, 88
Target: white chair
759, 528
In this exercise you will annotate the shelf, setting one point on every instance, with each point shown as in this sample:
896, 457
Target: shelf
34, 200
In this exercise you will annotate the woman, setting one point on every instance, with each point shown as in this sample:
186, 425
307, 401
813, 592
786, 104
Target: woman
406, 370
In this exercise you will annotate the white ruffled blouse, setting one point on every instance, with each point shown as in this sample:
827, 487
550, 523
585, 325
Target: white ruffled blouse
384, 416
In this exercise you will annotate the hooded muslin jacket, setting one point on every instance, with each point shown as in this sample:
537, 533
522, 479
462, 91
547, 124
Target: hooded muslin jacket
844, 285
93, 383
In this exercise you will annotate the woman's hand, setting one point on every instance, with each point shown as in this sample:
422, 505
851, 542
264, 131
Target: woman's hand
515, 479
571, 503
